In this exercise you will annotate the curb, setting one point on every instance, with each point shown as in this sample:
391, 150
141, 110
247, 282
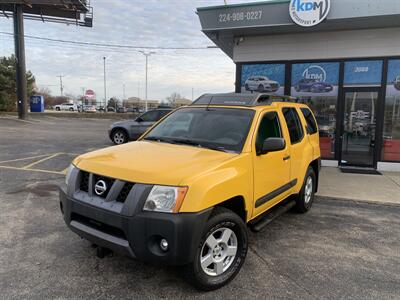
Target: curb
356, 201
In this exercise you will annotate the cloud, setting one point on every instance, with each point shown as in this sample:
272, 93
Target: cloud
140, 22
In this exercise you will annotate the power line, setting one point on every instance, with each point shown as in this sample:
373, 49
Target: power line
107, 45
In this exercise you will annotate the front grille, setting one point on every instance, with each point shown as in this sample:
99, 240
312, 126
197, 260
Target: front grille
108, 182
100, 182
123, 194
100, 226
84, 186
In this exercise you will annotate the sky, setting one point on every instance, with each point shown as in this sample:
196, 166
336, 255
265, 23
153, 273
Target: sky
167, 23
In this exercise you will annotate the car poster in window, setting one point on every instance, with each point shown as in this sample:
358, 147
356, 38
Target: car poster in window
315, 79
363, 73
263, 78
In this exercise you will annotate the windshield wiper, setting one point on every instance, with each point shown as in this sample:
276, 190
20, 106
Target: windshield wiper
199, 144
158, 139
186, 142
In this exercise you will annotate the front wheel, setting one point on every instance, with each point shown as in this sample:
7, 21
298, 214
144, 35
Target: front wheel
305, 198
221, 252
119, 137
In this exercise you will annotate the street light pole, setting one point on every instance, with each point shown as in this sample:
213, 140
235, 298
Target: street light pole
61, 85
105, 85
147, 54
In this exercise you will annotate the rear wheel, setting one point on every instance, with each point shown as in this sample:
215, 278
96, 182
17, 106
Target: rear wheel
221, 251
58, 109
71, 109
305, 198
119, 137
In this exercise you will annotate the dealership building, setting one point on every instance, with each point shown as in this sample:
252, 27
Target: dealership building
341, 57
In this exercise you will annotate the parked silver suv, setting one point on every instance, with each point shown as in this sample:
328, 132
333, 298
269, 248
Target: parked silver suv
261, 84
124, 131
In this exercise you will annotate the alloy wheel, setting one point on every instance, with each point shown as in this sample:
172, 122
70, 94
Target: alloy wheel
218, 251
308, 190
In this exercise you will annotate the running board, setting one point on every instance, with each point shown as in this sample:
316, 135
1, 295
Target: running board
263, 220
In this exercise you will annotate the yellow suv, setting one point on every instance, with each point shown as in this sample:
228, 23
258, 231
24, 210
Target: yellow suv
188, 190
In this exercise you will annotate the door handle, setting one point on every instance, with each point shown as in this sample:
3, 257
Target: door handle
286, 157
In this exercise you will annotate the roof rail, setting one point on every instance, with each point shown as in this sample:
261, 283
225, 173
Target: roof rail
242, 99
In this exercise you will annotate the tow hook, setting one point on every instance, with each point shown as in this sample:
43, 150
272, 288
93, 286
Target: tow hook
102, 252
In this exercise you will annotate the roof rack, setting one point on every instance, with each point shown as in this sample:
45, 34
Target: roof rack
242, 99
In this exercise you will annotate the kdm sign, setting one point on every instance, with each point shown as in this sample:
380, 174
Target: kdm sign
309, 13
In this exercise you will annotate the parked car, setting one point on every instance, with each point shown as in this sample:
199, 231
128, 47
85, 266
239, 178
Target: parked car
110, 109
121, 109
66, 107
397, 83
89, 108
124, 131
261, 84
313, 86
186, 194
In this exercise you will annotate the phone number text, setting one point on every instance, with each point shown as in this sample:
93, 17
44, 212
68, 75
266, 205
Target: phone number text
240, 16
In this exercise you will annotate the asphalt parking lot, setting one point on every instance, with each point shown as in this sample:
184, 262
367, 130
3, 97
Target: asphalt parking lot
340, 249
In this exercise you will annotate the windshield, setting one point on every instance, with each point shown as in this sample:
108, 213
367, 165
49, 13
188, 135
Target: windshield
223, 129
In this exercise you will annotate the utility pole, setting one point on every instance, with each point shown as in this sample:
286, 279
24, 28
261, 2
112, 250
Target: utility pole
20, 64
105, 85
147, 54
61, 85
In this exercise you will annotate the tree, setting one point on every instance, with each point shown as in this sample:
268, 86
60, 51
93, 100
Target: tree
113, 102
174, 96
8, 86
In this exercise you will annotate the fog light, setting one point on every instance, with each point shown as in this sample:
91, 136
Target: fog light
164, 245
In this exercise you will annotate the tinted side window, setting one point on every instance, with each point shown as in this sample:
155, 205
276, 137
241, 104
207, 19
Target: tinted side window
150, 116
311, 124
269, 127
293, 123
162, 114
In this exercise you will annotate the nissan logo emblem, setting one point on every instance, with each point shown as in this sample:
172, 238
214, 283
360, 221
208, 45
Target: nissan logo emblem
100, 187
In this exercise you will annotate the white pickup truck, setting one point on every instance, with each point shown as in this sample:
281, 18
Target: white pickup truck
66, 106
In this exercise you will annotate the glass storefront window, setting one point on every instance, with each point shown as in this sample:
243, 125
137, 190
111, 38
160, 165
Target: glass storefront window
316, 84
391, 127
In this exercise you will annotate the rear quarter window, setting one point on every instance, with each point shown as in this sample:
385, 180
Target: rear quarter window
312, 127
294, 124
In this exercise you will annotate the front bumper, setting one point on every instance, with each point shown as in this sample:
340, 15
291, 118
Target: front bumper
137, 234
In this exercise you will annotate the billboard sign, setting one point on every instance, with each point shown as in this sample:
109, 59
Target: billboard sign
263, 78
89, 94
311, 79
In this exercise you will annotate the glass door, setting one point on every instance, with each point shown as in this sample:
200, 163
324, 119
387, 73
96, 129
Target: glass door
359, 128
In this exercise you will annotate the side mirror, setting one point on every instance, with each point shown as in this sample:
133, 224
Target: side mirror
272, 145
139, 119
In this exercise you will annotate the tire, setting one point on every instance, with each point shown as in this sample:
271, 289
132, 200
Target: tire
260, 88
305, 198
58, 109
119, 137
71, 109
208, 277
246, 87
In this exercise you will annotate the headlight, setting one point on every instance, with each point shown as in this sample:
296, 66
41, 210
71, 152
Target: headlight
69, 171
166, 199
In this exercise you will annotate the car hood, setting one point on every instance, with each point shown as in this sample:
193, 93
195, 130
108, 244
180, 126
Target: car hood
151, 162
125, 123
